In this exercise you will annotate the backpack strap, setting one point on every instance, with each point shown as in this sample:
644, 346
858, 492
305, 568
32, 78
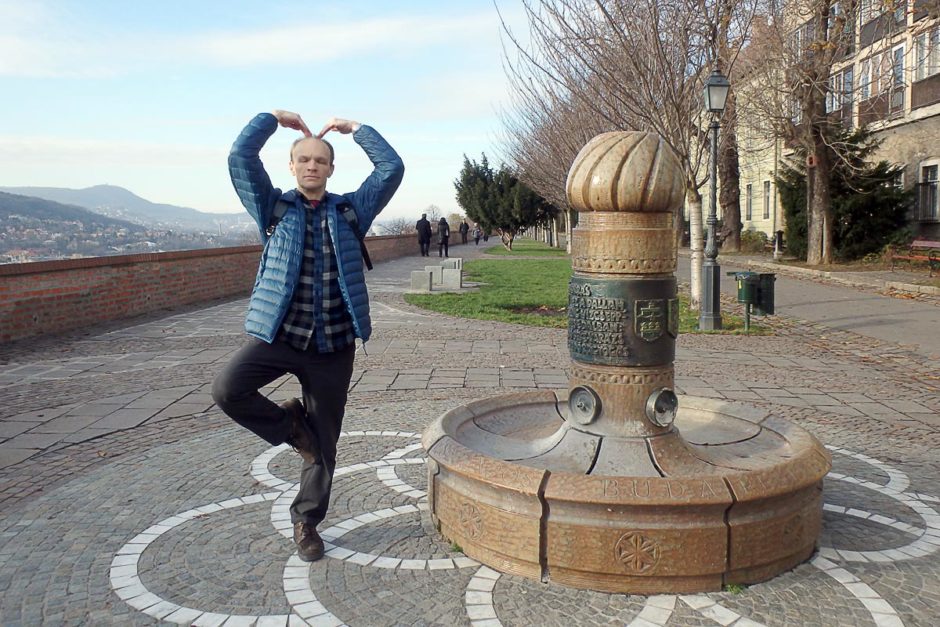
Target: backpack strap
353, 220
280, 208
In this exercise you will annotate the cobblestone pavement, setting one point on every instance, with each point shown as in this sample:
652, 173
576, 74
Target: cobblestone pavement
127, 498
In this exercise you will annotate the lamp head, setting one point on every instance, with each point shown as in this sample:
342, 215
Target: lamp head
716, 91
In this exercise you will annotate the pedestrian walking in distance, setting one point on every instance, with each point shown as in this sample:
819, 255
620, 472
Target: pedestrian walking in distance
423, 227
443, 237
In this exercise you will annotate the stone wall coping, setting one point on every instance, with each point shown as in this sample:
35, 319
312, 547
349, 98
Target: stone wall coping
58, 265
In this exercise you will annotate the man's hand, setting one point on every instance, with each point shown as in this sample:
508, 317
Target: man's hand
288, 119
339, 125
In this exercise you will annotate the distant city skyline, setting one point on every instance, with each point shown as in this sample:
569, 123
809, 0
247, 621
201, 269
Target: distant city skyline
150, 96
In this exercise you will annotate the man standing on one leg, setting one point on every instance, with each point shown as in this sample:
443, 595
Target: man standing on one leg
423, 227
309, 303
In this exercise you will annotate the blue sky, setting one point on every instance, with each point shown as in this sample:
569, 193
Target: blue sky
150, 95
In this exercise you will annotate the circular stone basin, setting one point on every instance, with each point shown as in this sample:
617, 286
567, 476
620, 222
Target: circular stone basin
732, 494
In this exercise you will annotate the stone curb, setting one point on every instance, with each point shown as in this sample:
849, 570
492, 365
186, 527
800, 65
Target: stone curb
835, 277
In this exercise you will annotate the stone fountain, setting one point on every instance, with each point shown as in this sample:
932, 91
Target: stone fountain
621, 485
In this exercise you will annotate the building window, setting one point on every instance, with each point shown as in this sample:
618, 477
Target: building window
848, 86
884, 73
900, 11
865, 80
802, 38
873, 69
796, 111
897, 80
870, 9
766, 200
926, 54
846, 37
748, 202
928, 193
840, 90
834, 97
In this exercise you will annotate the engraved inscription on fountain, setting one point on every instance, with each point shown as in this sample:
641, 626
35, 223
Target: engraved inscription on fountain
596, 325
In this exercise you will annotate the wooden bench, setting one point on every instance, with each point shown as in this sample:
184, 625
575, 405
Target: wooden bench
920, 251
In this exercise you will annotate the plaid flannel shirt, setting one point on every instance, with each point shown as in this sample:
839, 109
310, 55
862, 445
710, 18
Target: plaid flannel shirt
317, 311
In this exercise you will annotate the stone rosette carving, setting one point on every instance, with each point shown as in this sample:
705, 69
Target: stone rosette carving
471, 521
638, 553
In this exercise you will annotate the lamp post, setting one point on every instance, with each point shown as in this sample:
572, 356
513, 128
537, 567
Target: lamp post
716, 92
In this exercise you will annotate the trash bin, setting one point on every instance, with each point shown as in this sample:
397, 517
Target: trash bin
764, 303
747, 286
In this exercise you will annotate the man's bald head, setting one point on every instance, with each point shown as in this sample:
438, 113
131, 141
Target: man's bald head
314, 139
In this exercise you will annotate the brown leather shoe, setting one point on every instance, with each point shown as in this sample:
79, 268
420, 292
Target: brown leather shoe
308, 541
301, 437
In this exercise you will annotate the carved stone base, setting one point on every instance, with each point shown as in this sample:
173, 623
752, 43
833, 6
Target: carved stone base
731, 494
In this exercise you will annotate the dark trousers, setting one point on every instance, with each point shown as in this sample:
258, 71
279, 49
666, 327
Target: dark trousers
324, 379
425, 246
442, 247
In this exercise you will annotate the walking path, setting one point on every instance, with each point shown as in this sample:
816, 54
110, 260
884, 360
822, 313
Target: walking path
882, 305
127, 498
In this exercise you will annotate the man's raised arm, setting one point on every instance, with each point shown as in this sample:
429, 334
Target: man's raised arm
378, 188
251, 181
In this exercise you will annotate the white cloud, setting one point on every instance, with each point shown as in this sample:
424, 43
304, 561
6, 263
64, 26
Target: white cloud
41, 150
319, 42
37, 43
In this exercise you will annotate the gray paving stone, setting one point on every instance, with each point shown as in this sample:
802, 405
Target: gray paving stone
66, 424
10, 456
32, 441
124, 419
11, 428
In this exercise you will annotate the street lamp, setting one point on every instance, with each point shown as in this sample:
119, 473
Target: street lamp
716, 92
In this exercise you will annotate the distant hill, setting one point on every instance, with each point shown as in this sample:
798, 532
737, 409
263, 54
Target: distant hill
49, 211
120, 203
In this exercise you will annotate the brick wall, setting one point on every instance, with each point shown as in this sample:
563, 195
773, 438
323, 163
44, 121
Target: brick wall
56, 296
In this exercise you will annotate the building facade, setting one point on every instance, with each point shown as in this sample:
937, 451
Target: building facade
889, 80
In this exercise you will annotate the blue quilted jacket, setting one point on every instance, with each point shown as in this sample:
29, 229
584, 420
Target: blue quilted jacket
279, 271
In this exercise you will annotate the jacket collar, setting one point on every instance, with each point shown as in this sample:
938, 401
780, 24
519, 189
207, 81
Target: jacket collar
293, 196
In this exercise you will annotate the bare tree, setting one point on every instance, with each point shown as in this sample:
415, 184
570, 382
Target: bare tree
598, 65
788, 74
433, 212
396, 226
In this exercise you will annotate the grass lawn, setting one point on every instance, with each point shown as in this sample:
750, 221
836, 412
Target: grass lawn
526, 248
534, 292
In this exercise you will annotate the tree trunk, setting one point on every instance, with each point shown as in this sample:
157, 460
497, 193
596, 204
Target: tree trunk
729, 177
819, 206
694, 202
570, 229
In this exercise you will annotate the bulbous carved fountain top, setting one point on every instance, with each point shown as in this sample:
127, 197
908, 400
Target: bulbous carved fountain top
632, 171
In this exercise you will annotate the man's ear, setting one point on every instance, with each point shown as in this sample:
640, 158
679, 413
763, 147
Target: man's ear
292, 168
332, 167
